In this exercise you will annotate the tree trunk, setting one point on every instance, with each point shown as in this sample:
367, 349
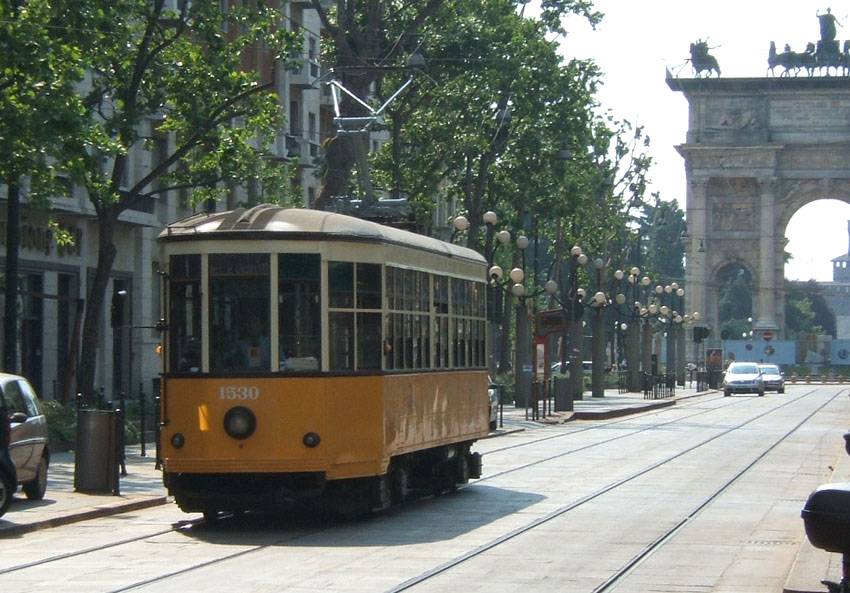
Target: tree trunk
13, 245
94, 307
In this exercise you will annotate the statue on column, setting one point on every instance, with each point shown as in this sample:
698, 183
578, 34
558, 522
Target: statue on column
827, 25
827, 55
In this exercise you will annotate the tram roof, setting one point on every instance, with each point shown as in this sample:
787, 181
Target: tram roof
269, 221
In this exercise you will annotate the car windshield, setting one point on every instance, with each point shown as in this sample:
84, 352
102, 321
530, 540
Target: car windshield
743, 369
769, 369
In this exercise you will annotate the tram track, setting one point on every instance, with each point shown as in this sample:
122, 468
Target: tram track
189, 524
599, 425
650, 548
481, 549
609, 440
448, 565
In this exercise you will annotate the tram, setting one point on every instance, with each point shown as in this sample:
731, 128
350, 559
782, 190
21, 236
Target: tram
311, 355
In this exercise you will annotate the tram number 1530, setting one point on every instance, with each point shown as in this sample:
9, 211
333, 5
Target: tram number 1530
238, 392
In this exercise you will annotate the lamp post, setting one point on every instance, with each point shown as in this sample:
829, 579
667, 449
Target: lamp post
515, 283
633, 330
494, 276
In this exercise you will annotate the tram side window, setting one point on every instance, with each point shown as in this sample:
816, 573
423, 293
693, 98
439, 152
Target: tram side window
300, 311
184, 347
239, 312
468, 325
354, 316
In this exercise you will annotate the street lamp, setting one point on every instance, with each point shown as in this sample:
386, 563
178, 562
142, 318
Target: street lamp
515, 284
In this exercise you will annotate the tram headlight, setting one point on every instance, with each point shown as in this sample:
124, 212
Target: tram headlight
178, 440
311, 439
240, 422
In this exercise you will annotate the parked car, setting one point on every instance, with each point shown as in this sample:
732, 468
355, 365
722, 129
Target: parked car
27, 428
8, 476
493, 395
743, 377
774, 380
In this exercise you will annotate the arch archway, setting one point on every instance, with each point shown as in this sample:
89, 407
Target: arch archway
757, 150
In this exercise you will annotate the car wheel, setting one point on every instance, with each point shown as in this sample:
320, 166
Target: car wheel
7, 489
761, 393
726, 393
780, 390
35, 489
493, 424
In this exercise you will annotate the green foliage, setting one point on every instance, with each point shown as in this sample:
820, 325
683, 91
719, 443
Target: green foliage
157, 72
61, 424
806, 311
662, 247
736, 293
40, 109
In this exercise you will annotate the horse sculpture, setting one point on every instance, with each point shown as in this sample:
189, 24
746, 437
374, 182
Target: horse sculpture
828, 56
792, 61
701, 60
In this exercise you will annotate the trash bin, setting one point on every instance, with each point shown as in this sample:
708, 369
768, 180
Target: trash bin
563, 400
96, 457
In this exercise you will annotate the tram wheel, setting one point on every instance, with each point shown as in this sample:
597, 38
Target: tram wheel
400, 483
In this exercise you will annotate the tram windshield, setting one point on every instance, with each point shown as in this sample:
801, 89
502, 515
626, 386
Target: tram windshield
300, 311
239, 312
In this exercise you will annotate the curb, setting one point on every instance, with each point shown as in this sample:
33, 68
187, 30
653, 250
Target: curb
606, 414
14, 530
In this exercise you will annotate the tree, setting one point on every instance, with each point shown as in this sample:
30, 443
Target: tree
806, 310
735, 306
201, 77
368, 37
39, 112
662, 225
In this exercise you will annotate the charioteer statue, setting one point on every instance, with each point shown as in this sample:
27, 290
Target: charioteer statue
825, 56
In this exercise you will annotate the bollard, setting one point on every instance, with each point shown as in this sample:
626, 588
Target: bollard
142, 423
120, 439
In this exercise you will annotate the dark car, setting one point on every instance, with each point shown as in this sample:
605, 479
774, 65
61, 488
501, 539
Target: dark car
774, 380
27, 429
743, 377
8, 476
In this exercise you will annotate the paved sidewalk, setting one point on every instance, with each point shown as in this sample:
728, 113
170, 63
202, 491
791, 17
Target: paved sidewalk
142, 487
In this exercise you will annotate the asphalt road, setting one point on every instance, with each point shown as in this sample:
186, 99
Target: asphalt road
701, 496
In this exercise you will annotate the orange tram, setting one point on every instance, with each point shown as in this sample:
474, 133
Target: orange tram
315, 356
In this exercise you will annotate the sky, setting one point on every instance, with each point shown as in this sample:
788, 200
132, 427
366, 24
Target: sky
637, 40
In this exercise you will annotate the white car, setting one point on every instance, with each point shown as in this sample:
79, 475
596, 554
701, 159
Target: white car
774, 380
743, 377
23, 436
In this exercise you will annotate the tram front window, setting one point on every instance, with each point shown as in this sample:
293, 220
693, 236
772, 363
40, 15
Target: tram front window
239, 312
300, 311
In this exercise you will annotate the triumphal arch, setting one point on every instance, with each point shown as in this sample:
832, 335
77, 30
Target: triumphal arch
756, 151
